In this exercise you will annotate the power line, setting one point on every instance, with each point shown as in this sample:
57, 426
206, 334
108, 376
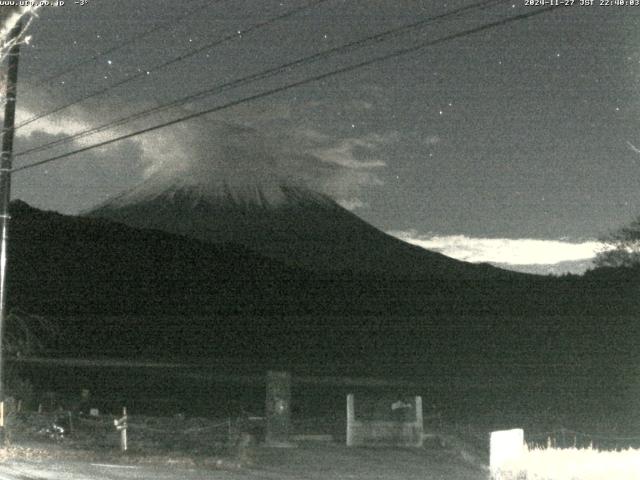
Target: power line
180, 58
298, 83
265, 74
119, 46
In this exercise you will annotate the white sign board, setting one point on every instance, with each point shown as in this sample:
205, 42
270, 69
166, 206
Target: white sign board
507, 446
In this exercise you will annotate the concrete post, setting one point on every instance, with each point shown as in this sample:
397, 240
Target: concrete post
419, 422
278, 409
351, 417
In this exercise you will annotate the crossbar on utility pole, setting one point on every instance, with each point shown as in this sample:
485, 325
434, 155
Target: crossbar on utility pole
6, 157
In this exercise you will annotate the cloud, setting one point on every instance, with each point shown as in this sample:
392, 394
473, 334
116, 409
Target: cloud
50, 129
344, 153
76, 183
519, 251
61, 126
220, 150
431, 140
249, 147
352, 203
361, 105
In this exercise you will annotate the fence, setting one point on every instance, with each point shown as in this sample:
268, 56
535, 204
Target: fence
298, 408
144, 434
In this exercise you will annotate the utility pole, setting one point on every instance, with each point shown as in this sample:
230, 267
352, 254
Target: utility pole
6, 157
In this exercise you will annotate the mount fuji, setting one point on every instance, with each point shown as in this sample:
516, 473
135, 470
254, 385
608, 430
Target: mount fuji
229, 183
281, 220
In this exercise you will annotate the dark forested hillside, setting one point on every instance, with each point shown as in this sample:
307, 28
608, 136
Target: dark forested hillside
102, 279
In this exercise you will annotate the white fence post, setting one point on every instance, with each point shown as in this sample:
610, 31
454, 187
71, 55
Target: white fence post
419, 421
351, 417
121, 426
507, 446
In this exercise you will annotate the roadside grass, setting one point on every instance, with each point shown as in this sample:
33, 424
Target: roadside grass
573, 464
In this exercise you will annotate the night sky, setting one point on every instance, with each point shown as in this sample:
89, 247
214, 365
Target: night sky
476, 146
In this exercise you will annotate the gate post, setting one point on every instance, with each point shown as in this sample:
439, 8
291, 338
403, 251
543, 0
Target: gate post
351, 418
278, 409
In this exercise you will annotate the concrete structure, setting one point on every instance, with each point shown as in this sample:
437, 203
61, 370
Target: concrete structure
278, 409
403, 425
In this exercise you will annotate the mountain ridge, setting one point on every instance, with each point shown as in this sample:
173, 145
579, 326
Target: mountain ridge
302, 227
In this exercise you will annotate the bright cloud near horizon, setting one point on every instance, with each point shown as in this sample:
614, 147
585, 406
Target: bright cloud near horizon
511, 251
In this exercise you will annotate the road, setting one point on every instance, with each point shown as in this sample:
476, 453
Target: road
65, 470
304, 463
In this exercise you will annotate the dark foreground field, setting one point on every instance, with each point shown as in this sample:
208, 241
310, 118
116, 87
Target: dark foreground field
313, 461
206, 420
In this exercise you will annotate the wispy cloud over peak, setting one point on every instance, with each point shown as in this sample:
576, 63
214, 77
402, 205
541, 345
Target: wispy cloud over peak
344, 153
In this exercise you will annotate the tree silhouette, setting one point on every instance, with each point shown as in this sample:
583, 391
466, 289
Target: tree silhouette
621, 248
